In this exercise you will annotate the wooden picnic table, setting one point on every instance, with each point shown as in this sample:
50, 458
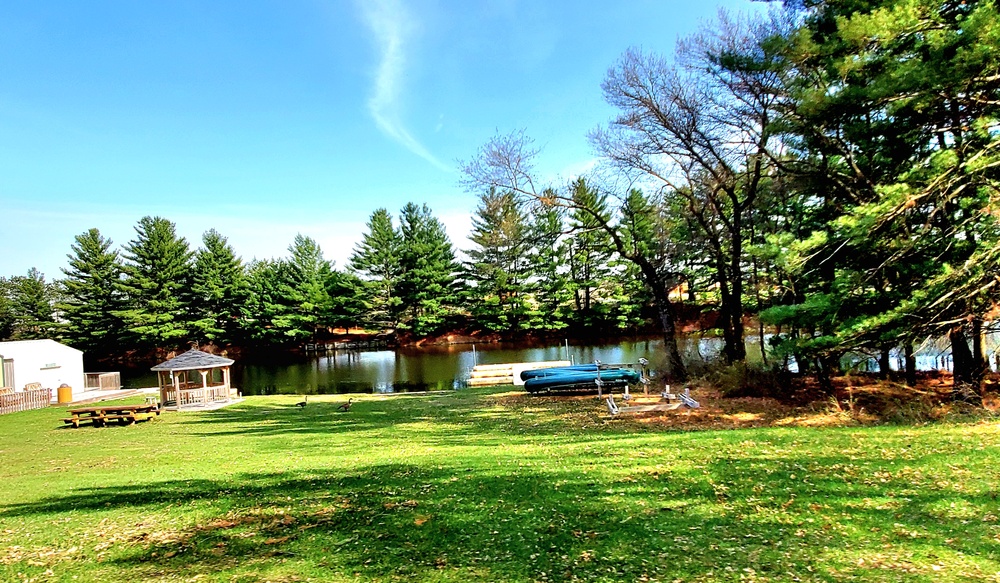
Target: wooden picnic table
99, 416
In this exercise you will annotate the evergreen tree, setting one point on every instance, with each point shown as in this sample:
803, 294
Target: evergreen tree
898, 128
645, 234
377, 259
498, 265
303, 290
157, 276
33, 305
8, 316
590, 249
427, 287
265, 309
348, 300
93, 298
553, 296
218, 291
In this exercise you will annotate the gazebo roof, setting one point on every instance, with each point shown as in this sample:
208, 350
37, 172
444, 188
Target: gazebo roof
194, 360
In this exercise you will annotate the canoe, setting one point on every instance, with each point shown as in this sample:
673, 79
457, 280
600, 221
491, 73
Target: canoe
544, 372
575, 380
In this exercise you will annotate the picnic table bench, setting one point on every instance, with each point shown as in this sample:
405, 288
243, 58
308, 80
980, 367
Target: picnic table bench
99, 416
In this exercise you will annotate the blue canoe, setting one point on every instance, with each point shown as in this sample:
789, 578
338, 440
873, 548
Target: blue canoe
575, 380
544, 372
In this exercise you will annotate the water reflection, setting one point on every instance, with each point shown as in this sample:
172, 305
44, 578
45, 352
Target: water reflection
444, 368
438, 368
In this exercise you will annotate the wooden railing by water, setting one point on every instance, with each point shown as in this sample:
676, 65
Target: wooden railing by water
13, 402
359, 344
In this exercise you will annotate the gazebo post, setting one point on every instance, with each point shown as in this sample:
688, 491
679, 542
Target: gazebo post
204, 386
177, 388
229, 390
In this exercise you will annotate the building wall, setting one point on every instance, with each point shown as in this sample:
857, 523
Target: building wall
45, 361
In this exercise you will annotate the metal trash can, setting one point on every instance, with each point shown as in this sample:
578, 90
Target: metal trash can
64, 393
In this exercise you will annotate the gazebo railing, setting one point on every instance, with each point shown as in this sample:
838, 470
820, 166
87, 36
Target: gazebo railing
191, 393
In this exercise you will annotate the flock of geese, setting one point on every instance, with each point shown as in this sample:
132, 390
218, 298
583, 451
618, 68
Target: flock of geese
341, 407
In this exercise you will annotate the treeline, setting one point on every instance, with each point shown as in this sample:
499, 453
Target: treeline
834, 163
523, 274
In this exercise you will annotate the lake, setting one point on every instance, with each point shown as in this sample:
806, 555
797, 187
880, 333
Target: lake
423, 369
445, 367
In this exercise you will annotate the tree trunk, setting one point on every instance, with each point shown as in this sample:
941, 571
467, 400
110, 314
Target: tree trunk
763, 343
824, 374
965, 387
730, 315
675, 365
668, 319
911, 364
980, 366
883, 363
739, 348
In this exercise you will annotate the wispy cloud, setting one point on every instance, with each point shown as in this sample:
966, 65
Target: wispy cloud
392, 28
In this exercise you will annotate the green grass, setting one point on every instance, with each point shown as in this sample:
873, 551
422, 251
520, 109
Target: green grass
477, 486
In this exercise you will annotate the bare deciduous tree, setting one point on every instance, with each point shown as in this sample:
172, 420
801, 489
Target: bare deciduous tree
701, 130
506, 162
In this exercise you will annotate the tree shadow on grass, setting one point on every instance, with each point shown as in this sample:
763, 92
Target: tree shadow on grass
441, 416
883, 516
414, 522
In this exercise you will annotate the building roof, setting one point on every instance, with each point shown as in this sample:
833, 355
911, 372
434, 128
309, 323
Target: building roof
12, 347
194, 360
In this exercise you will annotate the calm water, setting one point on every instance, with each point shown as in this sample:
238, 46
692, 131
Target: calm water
432, 368
437, 368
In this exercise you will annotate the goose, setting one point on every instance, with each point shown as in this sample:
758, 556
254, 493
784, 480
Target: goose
303, 402
345, 406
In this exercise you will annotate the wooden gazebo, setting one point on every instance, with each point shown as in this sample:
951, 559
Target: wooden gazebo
193, 378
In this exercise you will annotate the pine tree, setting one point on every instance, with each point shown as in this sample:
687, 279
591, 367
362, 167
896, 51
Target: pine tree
218, 291
348, 300
93, 298
264, 309
8, 316
498, 265
157, 276
590, 249
894, 119
548, 256
303, 290
34, 306
377, 259
427, 286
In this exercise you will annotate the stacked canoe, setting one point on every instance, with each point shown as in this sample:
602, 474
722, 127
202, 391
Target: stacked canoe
578, 377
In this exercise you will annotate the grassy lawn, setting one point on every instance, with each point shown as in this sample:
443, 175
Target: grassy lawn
479, 485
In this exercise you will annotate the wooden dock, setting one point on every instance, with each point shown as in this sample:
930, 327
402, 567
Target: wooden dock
485, 375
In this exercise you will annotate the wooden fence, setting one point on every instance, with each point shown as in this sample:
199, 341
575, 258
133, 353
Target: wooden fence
104, 381
11, 402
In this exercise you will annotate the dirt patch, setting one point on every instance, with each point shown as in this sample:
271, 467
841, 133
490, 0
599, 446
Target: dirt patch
857, 400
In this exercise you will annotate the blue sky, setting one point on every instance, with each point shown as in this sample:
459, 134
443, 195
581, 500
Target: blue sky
267, 119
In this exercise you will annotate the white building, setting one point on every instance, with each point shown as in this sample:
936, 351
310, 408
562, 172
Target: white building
41, 361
